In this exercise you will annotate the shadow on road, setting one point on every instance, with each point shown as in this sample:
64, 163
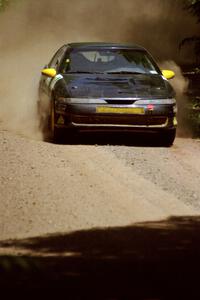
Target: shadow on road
153, 260
127, 139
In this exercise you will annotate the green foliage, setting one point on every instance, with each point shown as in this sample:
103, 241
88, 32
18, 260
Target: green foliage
193, 6
193, 118
3, 4
192, 2
195, 40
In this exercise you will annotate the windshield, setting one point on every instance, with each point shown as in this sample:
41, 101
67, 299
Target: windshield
109, 61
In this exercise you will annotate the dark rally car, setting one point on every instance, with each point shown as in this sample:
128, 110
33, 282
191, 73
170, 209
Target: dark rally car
107, 87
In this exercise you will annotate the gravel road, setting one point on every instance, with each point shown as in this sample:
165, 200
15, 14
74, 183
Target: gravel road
47, 188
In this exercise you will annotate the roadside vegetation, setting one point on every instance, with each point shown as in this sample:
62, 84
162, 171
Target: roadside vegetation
192, 73
3, 4
193, 6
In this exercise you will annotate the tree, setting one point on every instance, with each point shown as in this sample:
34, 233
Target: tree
194, 7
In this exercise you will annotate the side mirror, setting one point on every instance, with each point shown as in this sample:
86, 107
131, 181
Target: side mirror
168, 74
49, 72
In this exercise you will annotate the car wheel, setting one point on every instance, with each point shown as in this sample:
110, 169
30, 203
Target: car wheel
55, 133
43, 120
167, 137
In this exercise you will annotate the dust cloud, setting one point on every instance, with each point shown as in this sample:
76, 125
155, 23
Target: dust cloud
31, 31
180, 85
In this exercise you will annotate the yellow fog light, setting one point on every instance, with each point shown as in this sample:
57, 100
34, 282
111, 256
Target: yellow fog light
175, 121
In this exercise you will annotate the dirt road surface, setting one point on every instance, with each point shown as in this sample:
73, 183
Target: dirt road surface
97, 211
48, 188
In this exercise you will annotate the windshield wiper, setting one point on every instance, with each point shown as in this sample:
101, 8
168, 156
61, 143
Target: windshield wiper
84, 72
124, 72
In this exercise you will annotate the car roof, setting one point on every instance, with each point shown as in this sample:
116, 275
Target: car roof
99, 45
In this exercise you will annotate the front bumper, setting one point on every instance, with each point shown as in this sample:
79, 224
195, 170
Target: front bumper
153, 115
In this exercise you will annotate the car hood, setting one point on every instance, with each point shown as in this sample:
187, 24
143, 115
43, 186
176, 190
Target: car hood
151, 86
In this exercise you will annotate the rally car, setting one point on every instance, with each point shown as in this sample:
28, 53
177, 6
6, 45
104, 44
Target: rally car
106, 87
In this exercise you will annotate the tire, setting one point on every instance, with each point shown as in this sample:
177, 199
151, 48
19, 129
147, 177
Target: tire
167, 137
43, 120
59, 135
55, 133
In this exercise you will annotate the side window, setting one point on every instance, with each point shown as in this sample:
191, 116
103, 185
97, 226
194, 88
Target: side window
55, 62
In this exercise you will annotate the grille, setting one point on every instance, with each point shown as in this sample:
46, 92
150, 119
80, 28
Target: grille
120, 101
120, 120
